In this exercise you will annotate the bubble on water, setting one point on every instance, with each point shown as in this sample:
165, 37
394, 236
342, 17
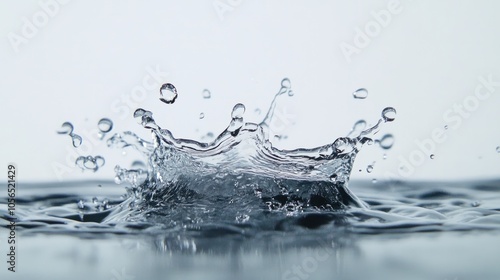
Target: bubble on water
389, 114
105, 125
66, 128
432, 156
80, 204
202, 115
168, 93
361, 93
76, 140
285, 83
206, 94
386, 142
238, 111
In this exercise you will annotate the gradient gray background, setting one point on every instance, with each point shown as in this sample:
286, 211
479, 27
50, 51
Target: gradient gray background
92, 53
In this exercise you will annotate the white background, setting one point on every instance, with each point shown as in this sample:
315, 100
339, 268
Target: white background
90, 54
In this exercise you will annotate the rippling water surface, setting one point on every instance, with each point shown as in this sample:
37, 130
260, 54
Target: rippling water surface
238, 208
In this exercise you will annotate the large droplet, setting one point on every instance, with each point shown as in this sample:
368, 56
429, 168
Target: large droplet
168, 93
139, 113
105, 125
77, 140
386, 141
238, 111
206, 94
389, 114
66, 128
361, 93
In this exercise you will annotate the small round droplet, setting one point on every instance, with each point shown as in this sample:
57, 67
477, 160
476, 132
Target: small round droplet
238, 111
105, 125
374, 181
168, 93
432, 156
384, 156
361, 93
389, 114
77, 140
446, 127
369, 168
257, 111
206, 94
386, 141
66, 128
202, 115
498, 149
291, 93
285, 83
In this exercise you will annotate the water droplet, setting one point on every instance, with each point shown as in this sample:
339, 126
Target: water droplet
202, 115
446, 127
369, 168
475, 204
242, 218
285, 83
432, 156
291, 93
139, 113
206, 94
238, 111
374, 181
384, 156
257, 111
498, 149
66, 128
77, 140
389, 114
361, 93
386, 141
81, 205
168, 93
94, 200
105, 125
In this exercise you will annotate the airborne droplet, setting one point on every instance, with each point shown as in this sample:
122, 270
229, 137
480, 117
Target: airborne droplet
66, 128
202, 115
285, 83
77, 140
369, 168
498, 149
105, 125
432, 156
389, 114
206, 94
168, 93
361, 93
386, 141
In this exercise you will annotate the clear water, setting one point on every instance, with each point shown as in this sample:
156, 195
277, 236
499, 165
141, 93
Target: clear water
238, 208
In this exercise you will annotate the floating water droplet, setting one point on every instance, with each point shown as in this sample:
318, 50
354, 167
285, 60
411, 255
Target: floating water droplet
202, 115
105, 125
446, 127
432, 156
498, 149
90, 162
77, 140
389, 114
139, 113
369, 168
374, 181
257, 111
285, 83
66, 128
291, 93
386, 141
238, 111
206, 94
384, 156
168, 93
361, 93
